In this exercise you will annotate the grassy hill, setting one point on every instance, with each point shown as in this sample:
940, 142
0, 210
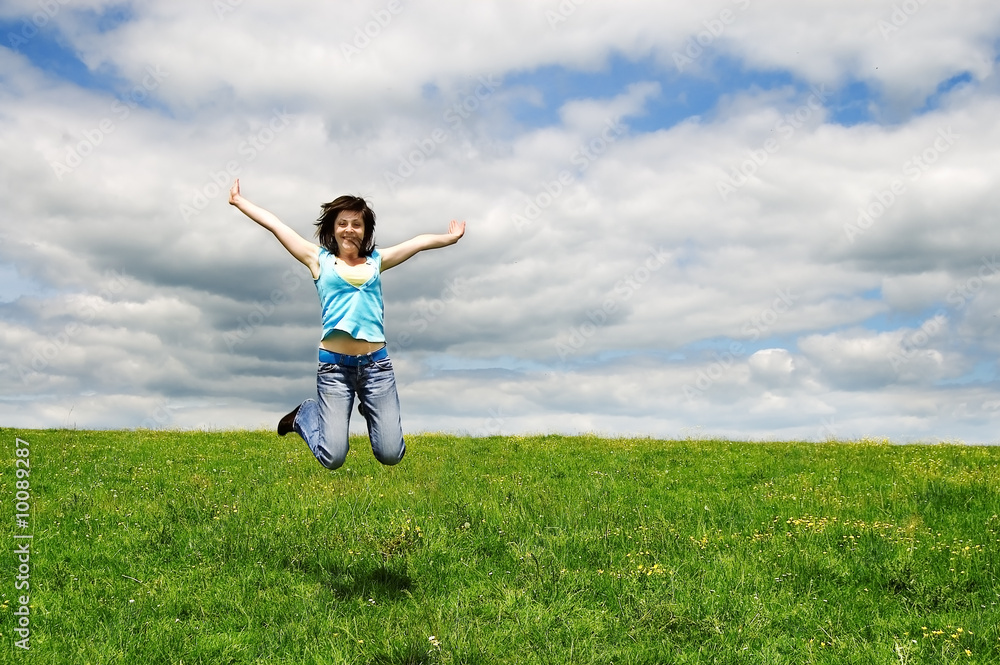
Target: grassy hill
237, 547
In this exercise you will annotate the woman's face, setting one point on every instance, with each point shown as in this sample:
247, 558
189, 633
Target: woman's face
349, 232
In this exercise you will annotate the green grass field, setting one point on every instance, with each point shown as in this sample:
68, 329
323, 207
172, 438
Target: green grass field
237, 547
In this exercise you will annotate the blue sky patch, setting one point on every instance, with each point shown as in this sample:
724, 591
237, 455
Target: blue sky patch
899, 320
697, 93
49, 50
984, 372
682, 96
944, 89
852, 104
111, 18
13, 285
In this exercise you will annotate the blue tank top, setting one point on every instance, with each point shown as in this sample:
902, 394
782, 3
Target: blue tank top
355, 310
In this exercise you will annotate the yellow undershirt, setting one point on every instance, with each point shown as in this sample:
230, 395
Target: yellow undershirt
355, 275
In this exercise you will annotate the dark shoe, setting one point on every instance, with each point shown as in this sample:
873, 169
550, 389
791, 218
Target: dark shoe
285, 424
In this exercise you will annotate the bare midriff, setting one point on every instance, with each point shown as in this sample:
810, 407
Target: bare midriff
341, 342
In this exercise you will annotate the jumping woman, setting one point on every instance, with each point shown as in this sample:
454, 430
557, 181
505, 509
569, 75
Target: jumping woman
353, 360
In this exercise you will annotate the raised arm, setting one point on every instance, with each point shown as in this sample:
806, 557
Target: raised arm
303, 250
393, 256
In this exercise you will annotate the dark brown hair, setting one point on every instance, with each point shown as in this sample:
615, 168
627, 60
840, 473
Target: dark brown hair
326, 225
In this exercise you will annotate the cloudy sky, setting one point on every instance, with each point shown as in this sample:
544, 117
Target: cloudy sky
756, 219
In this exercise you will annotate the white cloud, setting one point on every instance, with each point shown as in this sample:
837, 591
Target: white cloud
606, 266
772, 366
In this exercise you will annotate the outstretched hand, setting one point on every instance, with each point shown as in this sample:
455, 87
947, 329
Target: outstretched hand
234, 193
456, 229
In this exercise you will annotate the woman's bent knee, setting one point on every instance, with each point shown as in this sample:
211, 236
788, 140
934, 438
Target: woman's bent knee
331, 462
391, 458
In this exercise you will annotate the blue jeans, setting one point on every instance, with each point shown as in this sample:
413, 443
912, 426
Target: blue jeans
324, 422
